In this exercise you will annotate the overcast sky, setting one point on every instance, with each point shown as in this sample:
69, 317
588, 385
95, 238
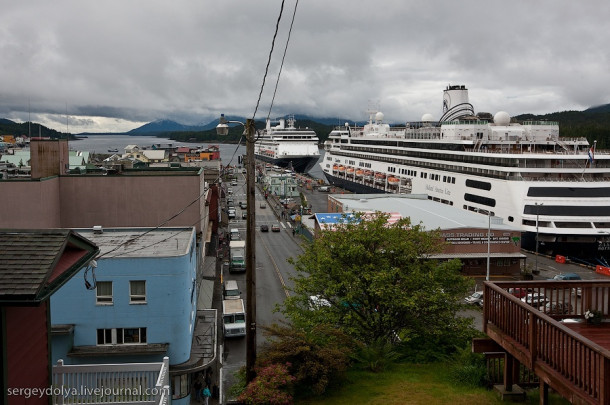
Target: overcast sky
113, 65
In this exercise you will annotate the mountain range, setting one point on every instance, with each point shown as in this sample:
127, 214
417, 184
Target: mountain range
592, 123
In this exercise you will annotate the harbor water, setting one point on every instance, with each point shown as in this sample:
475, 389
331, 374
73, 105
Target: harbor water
103, 143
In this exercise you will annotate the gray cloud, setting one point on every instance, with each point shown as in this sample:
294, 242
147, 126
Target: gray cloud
117, 64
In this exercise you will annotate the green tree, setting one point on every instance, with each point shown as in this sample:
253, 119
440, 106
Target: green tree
378, 281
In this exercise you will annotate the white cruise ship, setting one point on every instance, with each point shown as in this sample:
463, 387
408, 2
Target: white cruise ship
286, 146
523, 172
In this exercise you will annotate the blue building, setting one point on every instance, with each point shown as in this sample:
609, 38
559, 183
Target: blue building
138, 305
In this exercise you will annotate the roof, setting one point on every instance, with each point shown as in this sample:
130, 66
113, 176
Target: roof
154, 154
141, 242
431, 214
35, 263
183, 149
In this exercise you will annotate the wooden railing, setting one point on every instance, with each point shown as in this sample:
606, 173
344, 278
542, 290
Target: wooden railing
132, 383
571, 364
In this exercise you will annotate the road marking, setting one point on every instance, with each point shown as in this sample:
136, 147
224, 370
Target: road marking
277, 270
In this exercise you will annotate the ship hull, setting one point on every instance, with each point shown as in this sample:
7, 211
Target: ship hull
302, 164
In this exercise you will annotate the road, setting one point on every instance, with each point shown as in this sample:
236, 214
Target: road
273, 273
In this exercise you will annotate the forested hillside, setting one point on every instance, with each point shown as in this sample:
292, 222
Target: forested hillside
8, 127
593, 124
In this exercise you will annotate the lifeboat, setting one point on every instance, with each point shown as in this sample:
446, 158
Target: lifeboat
379, 177
368, 174
341, 169
359, 173
393, 181
350, 170
335, 168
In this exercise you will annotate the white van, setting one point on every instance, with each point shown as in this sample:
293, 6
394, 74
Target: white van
234, 234
230, 290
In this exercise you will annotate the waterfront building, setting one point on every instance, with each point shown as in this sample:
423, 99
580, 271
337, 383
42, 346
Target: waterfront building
465, 235
280, 184
146, 197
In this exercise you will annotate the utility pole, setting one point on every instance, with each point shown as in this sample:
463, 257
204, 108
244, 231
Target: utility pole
250, 253
223, 129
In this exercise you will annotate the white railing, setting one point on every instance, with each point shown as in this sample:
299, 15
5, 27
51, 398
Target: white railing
129, 383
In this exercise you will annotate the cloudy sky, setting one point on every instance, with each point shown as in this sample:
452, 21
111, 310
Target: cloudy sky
113, 65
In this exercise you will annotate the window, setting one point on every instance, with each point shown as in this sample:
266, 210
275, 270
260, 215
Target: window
120, 336
103, 292
137, 292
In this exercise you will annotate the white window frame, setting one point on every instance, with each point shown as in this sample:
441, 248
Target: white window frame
116, 336
103, 299
137, 299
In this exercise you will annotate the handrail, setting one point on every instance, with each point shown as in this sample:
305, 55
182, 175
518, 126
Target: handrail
574, 365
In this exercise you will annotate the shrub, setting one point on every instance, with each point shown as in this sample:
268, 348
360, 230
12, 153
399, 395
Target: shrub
272, 386
469, 369
317, 357
376, 356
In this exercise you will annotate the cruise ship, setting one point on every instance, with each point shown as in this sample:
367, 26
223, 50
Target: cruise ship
548, 186
286, 146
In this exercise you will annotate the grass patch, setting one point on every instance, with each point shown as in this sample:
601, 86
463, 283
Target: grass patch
403, 384
411, 384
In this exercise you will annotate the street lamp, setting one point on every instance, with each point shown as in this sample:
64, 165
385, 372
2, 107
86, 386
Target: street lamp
223, 129
537, 215
488, 242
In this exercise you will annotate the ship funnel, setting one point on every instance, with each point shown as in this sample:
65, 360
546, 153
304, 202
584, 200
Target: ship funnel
455, 103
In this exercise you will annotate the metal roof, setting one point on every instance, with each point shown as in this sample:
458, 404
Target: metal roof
431, 214
141, 242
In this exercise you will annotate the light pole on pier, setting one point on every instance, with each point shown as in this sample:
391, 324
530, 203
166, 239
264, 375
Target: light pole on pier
537, 215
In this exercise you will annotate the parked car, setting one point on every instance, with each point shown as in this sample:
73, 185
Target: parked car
234, 183
244, 215
264, 228
567, 276
475, 299
275, 228
263, 205
518, 292
535, 299
243, 205
316, 302
557, 308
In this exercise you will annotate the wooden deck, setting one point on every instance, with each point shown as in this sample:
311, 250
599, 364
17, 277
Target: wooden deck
567, 353
599, 334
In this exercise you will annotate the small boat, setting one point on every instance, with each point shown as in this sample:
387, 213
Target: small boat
113, 150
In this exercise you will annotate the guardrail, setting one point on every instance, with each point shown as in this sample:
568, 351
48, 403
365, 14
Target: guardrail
129, 383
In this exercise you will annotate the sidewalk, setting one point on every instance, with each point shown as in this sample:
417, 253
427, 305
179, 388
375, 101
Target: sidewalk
209, 289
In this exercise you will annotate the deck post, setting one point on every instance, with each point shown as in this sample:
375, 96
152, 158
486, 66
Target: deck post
509, 363
544, 393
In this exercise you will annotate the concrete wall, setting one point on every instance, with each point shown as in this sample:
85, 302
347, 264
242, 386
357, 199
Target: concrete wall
82, 201
130, 200
30, 204
168, 315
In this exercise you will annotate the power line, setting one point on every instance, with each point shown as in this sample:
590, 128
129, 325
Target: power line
283, 57
277, 24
